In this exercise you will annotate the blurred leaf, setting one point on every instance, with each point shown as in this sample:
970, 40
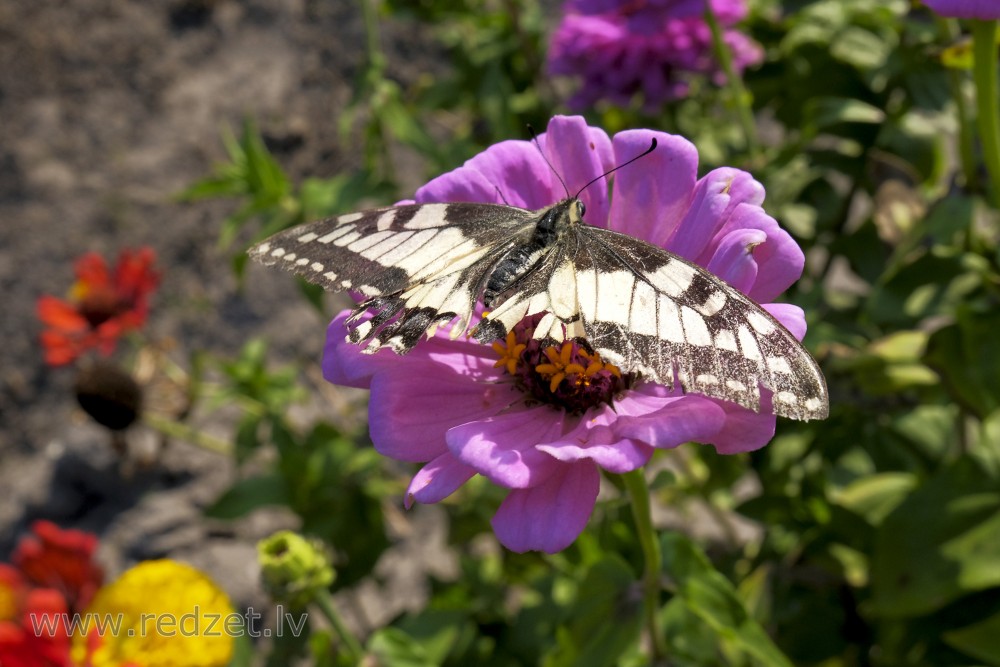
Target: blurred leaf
986, 450
606, 618
981, 640
964, 354
243, 652
877, 496
823, 112
891, 364
713, 599
444, 634
394, 648
249, 494
861, 48
958, 55
943, 541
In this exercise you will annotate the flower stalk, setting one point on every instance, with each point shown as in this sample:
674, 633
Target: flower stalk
950, 32
734, 82
638, 493
987, 102
324, 601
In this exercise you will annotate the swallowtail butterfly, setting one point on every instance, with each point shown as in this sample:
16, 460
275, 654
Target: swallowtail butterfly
640, 307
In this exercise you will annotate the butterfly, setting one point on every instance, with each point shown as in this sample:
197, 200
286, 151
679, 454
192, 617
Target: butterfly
646, 310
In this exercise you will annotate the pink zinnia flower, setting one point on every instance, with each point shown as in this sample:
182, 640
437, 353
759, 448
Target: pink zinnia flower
619, 48
966, 9
540, 421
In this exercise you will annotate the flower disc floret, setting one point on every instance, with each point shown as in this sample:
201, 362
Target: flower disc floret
565, 375
463, 409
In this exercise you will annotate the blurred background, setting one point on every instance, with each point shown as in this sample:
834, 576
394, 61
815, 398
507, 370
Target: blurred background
194, 127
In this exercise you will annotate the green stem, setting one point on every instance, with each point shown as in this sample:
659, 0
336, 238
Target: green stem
966, 138
182, 431
638, 493
737, 90
987, 101
325, 603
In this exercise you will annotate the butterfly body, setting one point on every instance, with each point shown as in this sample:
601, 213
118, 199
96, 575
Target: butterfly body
648, 311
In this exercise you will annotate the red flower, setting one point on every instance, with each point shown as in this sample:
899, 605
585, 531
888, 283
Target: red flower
103, 305
61, 560
35, 634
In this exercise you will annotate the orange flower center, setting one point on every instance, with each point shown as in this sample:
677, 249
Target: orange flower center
564, 374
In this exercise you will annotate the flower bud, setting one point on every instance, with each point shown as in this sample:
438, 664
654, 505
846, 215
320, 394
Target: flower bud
294, 568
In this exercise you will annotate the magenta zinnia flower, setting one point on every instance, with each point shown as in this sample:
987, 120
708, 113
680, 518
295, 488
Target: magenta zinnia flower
539, 421
619, 48
966, 9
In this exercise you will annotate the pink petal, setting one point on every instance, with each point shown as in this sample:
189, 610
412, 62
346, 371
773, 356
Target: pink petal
411, 411
967, 9
677, 420
594, 438
734, 261
779, 259
652, 194
548, 517
512, 170
344, 363
714, 198
744, 430
502, 447
578, 153
789, 315
437, 480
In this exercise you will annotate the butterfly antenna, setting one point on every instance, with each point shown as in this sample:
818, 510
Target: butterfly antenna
652, 147
534, 138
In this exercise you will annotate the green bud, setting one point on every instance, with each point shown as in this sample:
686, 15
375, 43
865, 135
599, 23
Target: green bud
294, 568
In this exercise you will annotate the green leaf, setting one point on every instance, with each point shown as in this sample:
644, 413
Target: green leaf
606, 620
861, 48
980, 640
249, 494
243, 652
940, 543
964, 354
713, 599
394, 648
826, 111
876, 496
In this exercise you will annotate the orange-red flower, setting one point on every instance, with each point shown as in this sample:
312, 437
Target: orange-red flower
103, 304
61, 560
33, 631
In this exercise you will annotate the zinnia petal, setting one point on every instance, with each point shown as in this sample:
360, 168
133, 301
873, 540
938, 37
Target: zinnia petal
548, 517
410, 412
595, 438
652, 194
437, 480
791, 316
502, 448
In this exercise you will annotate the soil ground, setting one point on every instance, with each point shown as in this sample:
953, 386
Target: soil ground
108, 109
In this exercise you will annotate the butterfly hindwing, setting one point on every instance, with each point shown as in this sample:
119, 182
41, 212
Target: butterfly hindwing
649, 311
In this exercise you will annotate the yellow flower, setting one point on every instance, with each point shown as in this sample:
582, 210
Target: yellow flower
160, 613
